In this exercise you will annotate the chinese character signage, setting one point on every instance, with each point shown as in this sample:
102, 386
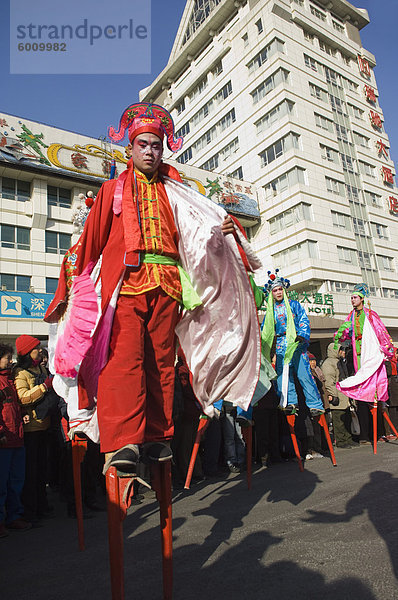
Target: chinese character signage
370, 93
363, 66
388, 176
316, 303
381, 148
23, 305
393, 204
375, 119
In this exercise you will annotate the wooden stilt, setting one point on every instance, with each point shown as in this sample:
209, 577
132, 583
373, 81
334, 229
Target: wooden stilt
119, 493
322, 422
373, 411
247, 434
161, 483
387, 418
79, 448
291, 420
203, 424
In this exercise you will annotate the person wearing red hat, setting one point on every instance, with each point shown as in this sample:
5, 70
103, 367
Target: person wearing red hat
142, 228
32, 382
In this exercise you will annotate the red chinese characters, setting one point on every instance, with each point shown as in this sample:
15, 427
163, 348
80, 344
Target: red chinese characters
393, 202
363, 66
382, 148
370, 93
388, 176
375, 119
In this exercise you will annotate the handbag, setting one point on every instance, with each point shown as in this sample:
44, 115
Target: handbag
355, 427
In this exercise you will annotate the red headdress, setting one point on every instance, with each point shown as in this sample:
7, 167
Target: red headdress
147, 118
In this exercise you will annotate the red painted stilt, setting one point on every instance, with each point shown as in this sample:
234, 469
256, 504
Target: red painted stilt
161, 483
247, 434
203, 424
373, 411
387, 418
291, 420
322, 422
79, 448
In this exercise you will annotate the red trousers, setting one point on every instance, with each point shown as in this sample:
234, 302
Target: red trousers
136, 386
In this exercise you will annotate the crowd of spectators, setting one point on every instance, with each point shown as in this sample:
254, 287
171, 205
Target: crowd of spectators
35, 450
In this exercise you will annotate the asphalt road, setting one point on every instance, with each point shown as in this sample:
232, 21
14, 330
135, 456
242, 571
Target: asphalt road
328, 533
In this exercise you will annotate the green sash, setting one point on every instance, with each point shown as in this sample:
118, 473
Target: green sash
190, 299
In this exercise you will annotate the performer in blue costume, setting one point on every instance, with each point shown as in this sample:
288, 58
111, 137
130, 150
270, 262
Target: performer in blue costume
287, 320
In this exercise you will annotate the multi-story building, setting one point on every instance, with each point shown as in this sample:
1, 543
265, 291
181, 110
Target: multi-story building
282, 94
43, 171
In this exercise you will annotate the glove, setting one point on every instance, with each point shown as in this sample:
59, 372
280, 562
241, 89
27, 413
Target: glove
300, 339
49, 382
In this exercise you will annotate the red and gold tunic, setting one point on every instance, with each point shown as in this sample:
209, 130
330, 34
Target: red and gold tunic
159, 236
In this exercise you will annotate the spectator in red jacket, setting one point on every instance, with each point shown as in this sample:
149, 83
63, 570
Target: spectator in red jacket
12, 451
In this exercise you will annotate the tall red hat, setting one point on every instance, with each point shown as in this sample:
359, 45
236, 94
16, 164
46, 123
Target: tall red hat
147, 118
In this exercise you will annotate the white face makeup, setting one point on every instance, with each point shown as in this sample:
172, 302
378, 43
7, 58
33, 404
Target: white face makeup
357, 301
278, 293
146, 152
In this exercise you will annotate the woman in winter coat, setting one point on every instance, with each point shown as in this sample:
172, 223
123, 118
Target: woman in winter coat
32, 382
12, 451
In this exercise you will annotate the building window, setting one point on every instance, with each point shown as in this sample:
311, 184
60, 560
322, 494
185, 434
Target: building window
274, 115
15, 237
14, 283
334, 186
346, 59
309, 37
347, 255
341, 220
317, 13
301, 212
347, 162
15, 189
237, 174
350, 85
341, 286
332, 77
185, 156
373, 199
390, 293
342, 133
365, 260
201, 11
329, 154
337, 105
229, 149
310, 62
323, 122
59, 196
280, 76
198, 89
184, 130
180, 106
385, 263
217, 129
299, 2
367, 169
352, 193
51, 285
211, 105
278, 148
262, 57
217, 69
57, 243
361, 140
212, 163
338, 26
245, 39
360, 227
259, 25
327, 49
297, 253
355, 112
318, 92
286, 180
380, 231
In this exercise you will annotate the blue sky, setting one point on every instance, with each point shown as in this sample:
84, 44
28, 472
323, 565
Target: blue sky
89, 103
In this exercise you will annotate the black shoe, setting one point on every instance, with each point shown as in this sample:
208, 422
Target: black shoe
233, 468
125, 460
157, 452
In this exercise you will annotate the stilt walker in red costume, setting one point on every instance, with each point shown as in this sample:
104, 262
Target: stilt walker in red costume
154, 260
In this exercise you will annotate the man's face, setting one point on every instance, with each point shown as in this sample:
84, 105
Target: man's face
146, 152
312, 363
278, 293
341, 353
357, 301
